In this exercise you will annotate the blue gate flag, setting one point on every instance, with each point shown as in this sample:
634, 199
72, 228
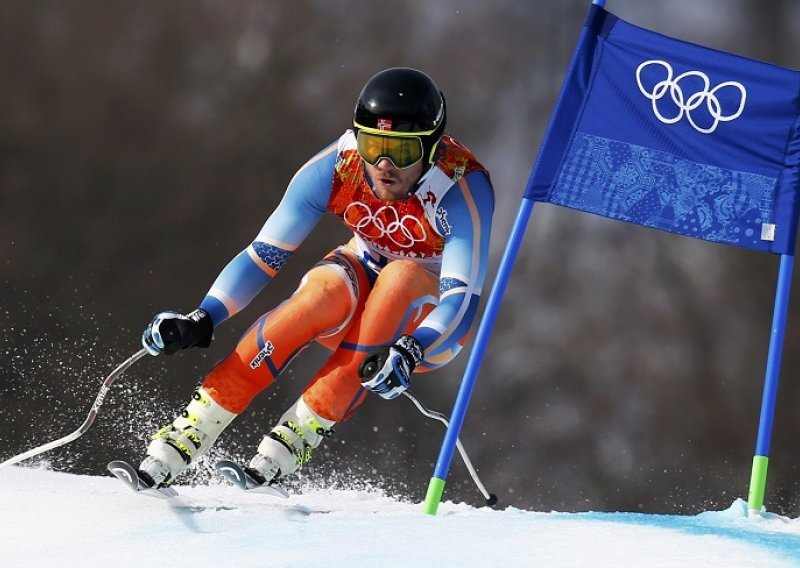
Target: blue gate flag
675, 136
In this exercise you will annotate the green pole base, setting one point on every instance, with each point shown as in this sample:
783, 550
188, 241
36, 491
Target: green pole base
758, 484
434, 496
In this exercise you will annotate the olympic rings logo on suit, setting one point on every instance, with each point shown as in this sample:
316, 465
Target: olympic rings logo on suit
687, 105
403, 231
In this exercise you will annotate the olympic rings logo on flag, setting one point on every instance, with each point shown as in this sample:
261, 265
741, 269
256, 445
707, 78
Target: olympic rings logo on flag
403, 231
687, 106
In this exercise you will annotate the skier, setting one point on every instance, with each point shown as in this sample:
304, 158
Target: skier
398, 298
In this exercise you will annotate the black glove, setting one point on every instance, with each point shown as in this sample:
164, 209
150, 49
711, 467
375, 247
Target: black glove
169, 332
387, 371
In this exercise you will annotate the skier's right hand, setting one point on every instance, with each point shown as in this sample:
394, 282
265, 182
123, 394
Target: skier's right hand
169, 332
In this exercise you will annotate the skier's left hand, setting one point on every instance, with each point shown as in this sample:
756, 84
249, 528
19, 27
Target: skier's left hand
387, 371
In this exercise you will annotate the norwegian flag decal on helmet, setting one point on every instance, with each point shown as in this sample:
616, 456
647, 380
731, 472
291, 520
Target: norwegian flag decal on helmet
384, 124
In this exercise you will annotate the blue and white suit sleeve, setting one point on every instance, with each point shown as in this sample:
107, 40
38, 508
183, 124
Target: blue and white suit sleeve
305, 201
468, 210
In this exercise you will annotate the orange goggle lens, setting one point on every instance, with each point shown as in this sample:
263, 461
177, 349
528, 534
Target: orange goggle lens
403, 151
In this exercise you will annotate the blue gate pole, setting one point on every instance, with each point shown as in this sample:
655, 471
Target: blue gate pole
436, 485
758, 476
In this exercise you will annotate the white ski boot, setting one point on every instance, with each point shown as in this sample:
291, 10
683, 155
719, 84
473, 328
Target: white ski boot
181, 443
288, 446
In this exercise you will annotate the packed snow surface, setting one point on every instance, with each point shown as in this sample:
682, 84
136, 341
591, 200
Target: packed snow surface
57, 519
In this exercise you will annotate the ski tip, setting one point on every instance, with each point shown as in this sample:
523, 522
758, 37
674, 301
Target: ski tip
126, 473
130, 476
233, 472
239, 477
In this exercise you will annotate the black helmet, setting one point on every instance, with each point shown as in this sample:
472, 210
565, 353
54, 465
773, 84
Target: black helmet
402, 99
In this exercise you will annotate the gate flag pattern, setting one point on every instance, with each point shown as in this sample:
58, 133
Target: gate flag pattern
675, 136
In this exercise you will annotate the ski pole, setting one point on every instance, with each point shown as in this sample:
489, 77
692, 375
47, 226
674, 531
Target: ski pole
89, 419
491, 498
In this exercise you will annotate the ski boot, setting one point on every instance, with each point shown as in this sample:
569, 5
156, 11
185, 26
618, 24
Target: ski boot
288, 446
177, 445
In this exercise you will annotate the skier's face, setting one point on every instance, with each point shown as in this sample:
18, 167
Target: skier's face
391, 183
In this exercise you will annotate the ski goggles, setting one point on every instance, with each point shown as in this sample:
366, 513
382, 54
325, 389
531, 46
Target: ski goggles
402, 149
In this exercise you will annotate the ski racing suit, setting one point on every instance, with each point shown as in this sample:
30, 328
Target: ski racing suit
414, 266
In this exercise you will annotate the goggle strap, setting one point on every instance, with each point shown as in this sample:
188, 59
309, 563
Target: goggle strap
433, 150
393, 133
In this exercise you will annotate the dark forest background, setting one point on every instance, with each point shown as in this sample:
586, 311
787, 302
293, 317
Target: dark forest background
143, 144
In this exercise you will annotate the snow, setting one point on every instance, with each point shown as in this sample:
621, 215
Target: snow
50, 518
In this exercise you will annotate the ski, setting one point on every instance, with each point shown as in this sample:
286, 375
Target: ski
129, 475
239, 476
